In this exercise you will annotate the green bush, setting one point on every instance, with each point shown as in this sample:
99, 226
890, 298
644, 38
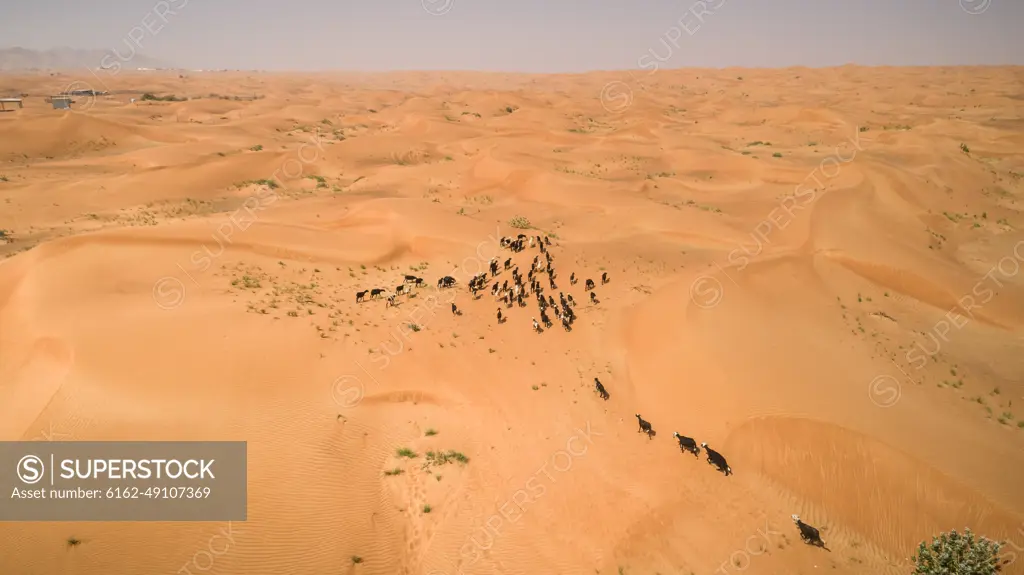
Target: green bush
150, 97
520, 222
957, 554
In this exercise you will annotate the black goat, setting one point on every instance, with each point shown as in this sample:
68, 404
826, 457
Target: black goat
360, 295
604, 278
572, 279
500, 318
645, 426
715, 458
687, 444
376, 292
600, 389
809, 534
567, 312
455, 310
593, 299
399, 290
410, 279
589, 285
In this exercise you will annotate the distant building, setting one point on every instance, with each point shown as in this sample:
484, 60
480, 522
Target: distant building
9, 101
61, 102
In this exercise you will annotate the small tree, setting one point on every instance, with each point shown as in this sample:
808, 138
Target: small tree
955, 554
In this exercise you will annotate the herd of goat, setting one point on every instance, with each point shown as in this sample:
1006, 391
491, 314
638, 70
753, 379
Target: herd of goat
807, 533
516, 294
512, 294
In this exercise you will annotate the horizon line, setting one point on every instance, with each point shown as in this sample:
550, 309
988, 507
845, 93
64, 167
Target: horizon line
126, 70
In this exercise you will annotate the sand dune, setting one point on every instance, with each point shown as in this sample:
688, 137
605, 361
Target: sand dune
817, 272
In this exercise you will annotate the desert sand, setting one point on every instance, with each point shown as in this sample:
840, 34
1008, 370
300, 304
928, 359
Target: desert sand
814, 271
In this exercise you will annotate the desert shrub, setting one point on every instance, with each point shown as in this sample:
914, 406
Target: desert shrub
519, 222
149, 97
953, 553
445, 457
272, 184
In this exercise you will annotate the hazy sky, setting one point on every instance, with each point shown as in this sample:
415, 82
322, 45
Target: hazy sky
525, 35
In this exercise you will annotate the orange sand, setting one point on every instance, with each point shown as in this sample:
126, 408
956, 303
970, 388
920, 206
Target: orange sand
789, 256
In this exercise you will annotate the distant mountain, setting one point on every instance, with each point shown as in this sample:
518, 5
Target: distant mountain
70, 58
